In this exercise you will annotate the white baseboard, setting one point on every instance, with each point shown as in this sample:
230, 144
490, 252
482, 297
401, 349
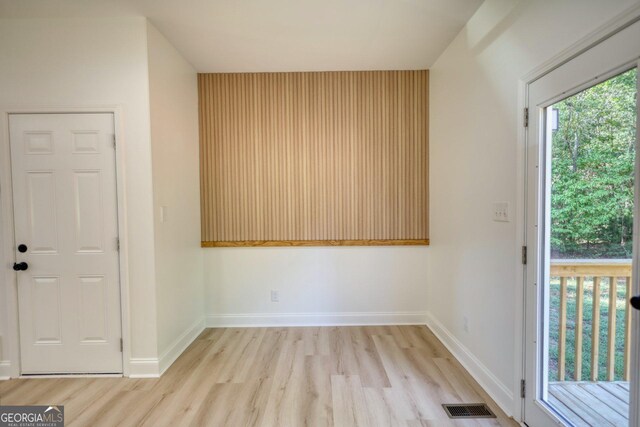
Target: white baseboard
5, 369
495, 388
144, 367
180, 345
315, 319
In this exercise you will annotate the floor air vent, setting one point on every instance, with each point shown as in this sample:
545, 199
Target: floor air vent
465, 410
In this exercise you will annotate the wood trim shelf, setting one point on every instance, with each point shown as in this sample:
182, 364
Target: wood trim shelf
269, 243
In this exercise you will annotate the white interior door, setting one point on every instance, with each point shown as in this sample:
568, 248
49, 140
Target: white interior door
610, 58
66, 231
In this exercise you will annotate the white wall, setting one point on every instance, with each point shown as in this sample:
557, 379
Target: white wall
474, 155
176, 188
91, 63
317, 285
472, 268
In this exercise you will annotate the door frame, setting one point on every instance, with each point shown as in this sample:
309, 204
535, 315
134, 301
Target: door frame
11, 343
623, 20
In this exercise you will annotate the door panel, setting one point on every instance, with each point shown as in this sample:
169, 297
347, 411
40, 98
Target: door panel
42, 225
65, 212
45, 307
88, 210
93, 309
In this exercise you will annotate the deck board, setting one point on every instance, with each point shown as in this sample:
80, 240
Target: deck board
591, 403
559, 406
616, 390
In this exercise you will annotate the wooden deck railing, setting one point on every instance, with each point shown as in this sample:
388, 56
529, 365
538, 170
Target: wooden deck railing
599, 273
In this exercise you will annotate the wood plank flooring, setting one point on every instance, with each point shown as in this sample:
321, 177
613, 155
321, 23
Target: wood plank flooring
588, 404
320, 376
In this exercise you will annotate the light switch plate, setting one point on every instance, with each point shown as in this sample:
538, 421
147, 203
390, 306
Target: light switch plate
501, 212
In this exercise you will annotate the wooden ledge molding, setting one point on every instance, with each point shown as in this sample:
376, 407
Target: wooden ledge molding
266, 243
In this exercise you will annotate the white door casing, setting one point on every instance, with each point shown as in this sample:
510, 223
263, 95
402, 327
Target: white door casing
65, 212
616, 54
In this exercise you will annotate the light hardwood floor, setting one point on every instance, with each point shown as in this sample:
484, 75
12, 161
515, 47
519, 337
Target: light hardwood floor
329, 376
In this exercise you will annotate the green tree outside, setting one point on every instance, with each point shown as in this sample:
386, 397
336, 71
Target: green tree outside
592, 186
592, 173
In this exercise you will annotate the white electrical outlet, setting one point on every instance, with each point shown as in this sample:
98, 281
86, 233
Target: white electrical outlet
465, 323
501, 212
275, 296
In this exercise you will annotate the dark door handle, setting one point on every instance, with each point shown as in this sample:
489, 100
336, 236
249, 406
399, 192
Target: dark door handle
20, 266
635, 302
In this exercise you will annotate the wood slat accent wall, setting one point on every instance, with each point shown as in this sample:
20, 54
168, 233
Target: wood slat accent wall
326, 158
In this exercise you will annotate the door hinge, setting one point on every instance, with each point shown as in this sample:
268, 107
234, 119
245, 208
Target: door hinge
524, 255
114, 141
526, 117
118, 244
121, 345
523, 388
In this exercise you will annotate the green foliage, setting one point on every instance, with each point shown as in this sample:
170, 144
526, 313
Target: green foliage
592, 175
